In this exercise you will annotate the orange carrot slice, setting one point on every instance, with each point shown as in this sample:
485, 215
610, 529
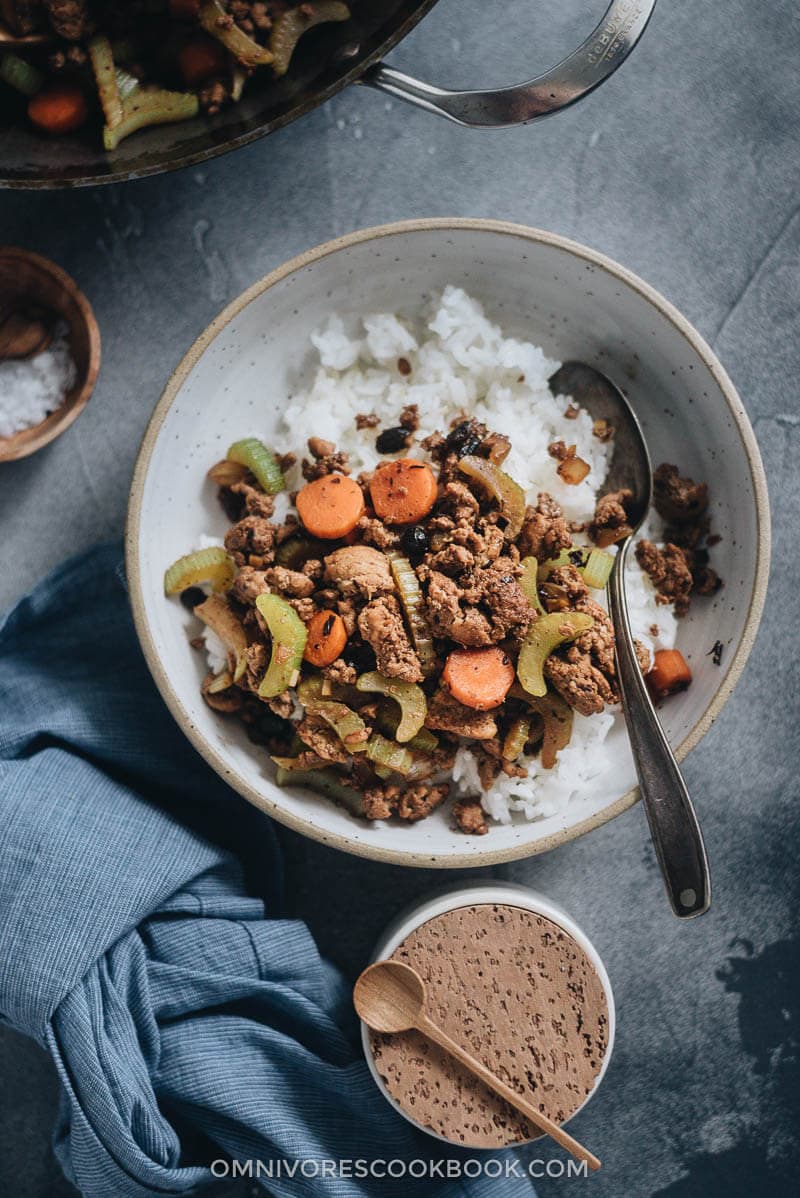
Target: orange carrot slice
403, 492
200, 58
327, 637
58, 109
330, 507
669, 674
479, 678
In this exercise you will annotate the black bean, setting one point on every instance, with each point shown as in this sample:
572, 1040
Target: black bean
191, 597
464, 438
392, 440
414, 542
360, 656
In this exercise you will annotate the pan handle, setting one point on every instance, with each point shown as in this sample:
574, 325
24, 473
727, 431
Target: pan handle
580, 73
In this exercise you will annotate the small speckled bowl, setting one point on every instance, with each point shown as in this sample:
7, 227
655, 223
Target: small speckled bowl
574, 303
478, 894
38, 280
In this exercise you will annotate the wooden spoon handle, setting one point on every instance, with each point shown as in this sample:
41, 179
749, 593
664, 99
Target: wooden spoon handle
514, 1099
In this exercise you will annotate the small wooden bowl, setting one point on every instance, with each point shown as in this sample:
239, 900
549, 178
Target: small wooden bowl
33, 278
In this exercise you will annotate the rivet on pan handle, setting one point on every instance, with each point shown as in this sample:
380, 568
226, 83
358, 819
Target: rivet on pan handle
580, 73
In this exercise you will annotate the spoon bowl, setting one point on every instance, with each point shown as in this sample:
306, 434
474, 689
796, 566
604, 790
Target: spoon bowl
389, 996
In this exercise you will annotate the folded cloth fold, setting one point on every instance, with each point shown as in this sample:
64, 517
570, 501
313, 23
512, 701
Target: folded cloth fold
141, 943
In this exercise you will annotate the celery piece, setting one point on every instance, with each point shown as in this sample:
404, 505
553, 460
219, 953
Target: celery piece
516, 738
289, 26
593, 565
411, 598
597, 570
294, 551
410, 698
386, 753
105, 76
543, 636
529, 582
260, 461
509, 494
349, 727
20, 75
288, 634
205, 565
557, 716
326, 782
388, 720
150, 106
215, 19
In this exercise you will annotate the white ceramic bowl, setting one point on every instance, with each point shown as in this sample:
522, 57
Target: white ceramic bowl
473, 894
573, 302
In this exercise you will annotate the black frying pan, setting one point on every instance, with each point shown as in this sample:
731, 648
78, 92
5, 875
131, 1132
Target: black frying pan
328, 59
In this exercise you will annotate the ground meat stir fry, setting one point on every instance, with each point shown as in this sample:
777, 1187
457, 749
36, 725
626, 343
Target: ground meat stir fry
387, 624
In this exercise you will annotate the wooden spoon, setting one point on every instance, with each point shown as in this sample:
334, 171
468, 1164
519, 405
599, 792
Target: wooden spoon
390, 997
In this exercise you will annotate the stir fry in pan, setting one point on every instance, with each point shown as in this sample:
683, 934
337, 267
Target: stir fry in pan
127, 64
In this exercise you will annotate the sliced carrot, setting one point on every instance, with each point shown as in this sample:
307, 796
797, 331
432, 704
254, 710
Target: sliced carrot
479, 678
403, 492
327, 637
330, 507
669, 674
58, 109
200, 59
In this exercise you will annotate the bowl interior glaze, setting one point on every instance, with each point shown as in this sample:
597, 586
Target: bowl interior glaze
574, 303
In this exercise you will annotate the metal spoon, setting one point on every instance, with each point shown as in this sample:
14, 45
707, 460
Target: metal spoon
390, 997
673, 824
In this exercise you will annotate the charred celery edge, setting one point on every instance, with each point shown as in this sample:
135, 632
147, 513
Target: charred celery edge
409, 697
289, 27
543, 636
212, 565
289, 636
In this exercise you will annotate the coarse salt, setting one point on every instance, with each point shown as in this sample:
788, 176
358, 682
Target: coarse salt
32, 388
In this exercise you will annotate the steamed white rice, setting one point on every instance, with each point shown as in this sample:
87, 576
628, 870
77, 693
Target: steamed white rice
461, 362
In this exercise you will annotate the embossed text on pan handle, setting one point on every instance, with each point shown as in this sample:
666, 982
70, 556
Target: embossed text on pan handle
575, 77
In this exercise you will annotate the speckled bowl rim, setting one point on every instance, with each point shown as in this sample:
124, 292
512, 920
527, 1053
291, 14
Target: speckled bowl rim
473, 893
650, 296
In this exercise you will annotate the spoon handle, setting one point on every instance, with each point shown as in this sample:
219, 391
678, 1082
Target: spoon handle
526, 1108
673, 824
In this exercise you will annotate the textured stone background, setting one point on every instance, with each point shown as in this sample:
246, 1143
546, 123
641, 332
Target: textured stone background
685, 167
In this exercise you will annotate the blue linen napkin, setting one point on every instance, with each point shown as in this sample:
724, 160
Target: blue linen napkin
140, 940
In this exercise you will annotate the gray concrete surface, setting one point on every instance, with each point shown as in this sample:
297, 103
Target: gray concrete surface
685, 167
